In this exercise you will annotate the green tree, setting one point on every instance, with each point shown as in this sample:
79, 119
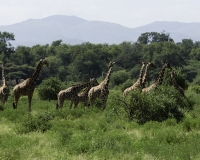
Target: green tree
49, 88
5, 46
119, 77
195, 53
22, 56
150, 37
186, 47
130, 55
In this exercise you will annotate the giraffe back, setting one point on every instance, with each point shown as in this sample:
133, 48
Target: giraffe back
71, 93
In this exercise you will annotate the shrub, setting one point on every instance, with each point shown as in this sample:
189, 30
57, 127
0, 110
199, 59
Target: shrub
119, 77
195, 88
49, 89
158, 105
39, 123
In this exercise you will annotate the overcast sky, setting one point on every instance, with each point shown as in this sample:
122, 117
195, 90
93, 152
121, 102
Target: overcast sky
129, 13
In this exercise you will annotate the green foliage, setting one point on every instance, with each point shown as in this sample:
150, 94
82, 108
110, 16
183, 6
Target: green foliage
150, 37
5, 46
170, 127
127, 84
195, 53
119, 77
40, 123
157, 105
195, 88
93, 133
49, 88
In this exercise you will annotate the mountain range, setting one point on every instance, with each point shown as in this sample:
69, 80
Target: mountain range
75, 30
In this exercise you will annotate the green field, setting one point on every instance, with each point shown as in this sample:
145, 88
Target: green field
48, 133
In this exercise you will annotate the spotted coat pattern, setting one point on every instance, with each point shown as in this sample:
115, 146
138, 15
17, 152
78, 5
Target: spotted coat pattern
26, 88
71, 93
159, 80
137, 84
101, 91
4, 89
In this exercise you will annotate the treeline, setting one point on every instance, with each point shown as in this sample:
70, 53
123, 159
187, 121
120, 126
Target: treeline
80, 62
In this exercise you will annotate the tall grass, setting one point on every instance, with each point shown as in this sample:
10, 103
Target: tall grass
48, 133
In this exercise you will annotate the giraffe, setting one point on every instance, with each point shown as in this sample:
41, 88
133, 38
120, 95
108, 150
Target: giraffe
101, 90
176, 86
71, 93
144, 78
4, 90
138, 83
159, 80
26, 88
83, 96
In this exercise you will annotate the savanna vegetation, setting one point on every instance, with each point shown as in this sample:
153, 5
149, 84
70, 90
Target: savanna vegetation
161, 124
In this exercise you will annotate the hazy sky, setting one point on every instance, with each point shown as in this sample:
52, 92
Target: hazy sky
129, 13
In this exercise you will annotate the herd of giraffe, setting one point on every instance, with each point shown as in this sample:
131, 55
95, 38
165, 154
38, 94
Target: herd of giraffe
91, 89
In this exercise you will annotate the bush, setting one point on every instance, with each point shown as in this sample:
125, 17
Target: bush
119, 77
38, 123
49, 89
195, 88
158, 105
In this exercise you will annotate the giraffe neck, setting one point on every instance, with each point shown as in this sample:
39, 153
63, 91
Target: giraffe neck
82, 85
141, 73
3, 76
174, 81
144, 78
175, 84
106, 80
161, 75
37, 71
85, 91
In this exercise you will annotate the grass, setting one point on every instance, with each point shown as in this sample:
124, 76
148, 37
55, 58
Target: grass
48, 133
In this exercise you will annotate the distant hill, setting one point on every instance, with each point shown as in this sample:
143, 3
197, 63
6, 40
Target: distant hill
75, 30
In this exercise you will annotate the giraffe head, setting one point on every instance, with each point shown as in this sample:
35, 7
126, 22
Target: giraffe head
111, 64
44, 61
172, 73
143, 62
167, 65
151, 65
93, 82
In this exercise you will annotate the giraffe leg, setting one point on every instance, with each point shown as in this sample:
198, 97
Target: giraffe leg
60, 102
29, 102
71, 104
104, 100
91, 102
76, 104
16, 99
